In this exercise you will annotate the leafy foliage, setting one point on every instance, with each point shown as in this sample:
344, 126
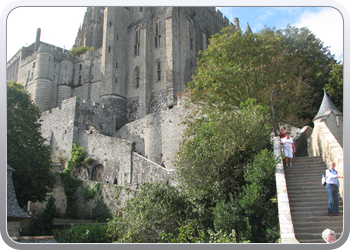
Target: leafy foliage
78, 156
77, 51
334, 87
210, 163
27, 151
236, 67
156, 208
43, 223
70, 185
100, 212
310, 63
86, 233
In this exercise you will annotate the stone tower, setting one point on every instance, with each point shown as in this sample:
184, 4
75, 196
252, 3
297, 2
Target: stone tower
90, 34
143, 58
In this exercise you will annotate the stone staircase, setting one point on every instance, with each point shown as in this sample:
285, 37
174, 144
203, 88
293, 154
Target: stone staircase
308, 200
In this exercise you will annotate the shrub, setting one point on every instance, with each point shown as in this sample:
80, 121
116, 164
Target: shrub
87, 233
43, 224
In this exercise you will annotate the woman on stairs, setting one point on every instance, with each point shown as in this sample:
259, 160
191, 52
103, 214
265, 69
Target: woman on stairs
332, 186
289, 148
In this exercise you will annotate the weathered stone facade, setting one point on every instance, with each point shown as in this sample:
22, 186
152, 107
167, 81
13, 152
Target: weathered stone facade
121, 97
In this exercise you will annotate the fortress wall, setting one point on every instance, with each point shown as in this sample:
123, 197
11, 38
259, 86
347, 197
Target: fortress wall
102, 117
157, 136
58, 127
113, 154
145, 170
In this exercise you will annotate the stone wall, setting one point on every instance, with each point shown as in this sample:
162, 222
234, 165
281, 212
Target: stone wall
157, 136
57, 127
145, 170
284, 213
323, 143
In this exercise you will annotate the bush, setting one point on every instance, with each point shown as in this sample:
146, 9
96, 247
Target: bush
87, 233
42, 225
77, 51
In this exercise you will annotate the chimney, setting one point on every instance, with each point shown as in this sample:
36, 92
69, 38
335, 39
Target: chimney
37, 41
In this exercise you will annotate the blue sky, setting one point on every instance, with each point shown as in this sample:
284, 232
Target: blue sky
59, 25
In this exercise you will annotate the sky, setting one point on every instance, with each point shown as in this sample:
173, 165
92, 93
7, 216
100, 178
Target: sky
59, 25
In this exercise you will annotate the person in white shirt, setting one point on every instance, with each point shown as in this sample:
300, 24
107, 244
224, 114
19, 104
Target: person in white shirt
289, 148
332, 187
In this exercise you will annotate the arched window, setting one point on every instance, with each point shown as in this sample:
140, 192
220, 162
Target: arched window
159, 75
137, 41
137, 77
97, 173
157, 38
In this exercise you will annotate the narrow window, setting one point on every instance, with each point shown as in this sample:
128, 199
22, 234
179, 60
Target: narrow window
110, 24
79, 79
137, 77
81, 66
137, 42
33, 65
158, 71
116, 65
191, 44
140, 9
157, 39
109, 49
116, 80
92, 76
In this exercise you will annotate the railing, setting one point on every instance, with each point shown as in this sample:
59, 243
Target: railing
284, 214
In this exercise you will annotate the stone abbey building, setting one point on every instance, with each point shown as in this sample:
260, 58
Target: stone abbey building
121, 97
143, 57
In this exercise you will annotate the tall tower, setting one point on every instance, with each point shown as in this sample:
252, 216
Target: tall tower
114, 48
43, 82
90, 34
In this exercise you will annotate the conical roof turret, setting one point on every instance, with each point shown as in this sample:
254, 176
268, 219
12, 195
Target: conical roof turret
248, 30
327, 105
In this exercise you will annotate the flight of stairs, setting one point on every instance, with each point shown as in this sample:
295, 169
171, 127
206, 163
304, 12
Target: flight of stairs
308, 200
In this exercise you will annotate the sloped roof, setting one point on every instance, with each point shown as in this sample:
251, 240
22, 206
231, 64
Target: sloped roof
13, 209
327, 105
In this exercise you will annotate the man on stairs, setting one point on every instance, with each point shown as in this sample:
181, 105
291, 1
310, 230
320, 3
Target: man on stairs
332, 187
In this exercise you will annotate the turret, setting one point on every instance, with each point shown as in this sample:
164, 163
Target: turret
65, 81
43, 85
248, 30
236, 22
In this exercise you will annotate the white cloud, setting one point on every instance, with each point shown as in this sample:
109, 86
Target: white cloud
327, 25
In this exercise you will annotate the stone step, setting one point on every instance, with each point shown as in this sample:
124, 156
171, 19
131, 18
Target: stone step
322, 218
312, 192
311, 224
318, 230
309, 206
314, 213
308, 200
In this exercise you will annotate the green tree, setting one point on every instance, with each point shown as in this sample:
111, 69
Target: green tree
216, 147
156, 208
27, 151
309, 63
334, 87
43, 224
236, 67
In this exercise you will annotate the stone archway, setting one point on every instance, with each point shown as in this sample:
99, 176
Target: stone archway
97, 173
